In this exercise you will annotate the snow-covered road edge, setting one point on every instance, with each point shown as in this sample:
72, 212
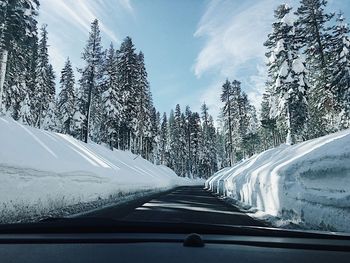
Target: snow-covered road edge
305, 185
46, 173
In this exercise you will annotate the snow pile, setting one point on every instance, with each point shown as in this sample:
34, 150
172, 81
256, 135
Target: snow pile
46, 170
306, 184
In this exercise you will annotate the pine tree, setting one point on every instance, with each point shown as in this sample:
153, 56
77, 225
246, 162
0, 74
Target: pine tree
45, 81
78, 119
111, 101
91, 80
163, 140
313, 34
195, 140
25, 114
50, 120
145, 129
205, 143
231, 94
178, 141
170, 160
340, 69
153, 139
128, 75
287, 77
18, 26
66, 99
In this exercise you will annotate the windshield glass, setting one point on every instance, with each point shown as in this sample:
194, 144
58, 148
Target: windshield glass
212, 112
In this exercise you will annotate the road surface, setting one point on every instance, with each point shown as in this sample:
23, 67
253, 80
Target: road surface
191, 204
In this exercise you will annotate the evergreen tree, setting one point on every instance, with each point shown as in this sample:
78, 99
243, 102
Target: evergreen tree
340, 70
195, 143
128, 76
90, 81
146, 127
312, 32
18, 26
163, 140
207, 157
78, 119
45, 81
288, 74
25, 114
66, 99
111, 101
231, 94
50, 119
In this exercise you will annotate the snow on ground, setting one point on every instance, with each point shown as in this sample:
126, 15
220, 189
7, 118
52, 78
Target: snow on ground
305, 185
41, 171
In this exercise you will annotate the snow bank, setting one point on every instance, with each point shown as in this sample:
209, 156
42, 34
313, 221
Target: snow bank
307, 184
46, 169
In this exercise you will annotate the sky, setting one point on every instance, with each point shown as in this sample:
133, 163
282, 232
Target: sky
191, 46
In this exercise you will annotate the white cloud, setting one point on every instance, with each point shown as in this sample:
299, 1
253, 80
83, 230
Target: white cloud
234, 34
80, 13
233, 38
69, 23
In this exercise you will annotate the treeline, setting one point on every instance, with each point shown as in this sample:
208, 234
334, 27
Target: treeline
308, 87
188, 142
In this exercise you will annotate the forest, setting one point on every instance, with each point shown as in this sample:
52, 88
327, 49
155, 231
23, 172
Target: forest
109, 101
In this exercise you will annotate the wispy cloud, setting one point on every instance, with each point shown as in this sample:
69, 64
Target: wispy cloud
69, 23
80, 13
234, 34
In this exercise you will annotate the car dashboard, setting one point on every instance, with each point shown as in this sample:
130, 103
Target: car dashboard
167, 247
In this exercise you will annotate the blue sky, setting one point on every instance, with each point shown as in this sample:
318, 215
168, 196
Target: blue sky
190, 46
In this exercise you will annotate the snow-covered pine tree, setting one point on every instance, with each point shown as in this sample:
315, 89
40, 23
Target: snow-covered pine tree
78, 120
171, 140
152, 142
45, 80
269, 133
145, 128
188, 149
50, 120
25, 114
251, 139
90, 81
17, 26
15, 84
163, 140
208, 152
128, 75
212, 148
221, 150
205, 143
178, 141
111, 101
226, 98
231, 94
195, 135
313, 33
340, 70
66, 99
288, 77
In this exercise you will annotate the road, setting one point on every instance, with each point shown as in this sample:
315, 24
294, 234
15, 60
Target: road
191, 204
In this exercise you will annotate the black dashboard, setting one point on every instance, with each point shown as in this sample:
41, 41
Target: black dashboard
145, 247
75, 241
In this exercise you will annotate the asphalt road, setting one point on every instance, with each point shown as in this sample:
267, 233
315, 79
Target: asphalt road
191, 204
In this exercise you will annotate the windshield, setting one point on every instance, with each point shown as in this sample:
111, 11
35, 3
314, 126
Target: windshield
211, 112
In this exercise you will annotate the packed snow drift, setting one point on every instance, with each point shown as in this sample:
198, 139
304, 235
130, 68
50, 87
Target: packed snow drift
41, 171
307, 184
